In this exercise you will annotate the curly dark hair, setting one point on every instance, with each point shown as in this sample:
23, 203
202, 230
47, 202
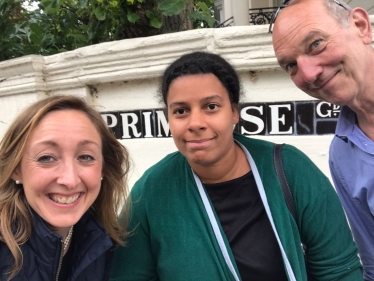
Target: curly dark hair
202, 63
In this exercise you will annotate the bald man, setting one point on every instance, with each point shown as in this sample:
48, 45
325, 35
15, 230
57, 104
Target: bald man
325, 47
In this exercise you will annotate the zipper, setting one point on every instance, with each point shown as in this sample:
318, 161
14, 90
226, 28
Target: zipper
59, 264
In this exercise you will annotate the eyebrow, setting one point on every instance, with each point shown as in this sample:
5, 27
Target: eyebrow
309, 37
209, 98
55, 144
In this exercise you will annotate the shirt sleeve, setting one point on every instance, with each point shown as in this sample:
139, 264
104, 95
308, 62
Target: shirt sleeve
134, 261
331, 252
358, 218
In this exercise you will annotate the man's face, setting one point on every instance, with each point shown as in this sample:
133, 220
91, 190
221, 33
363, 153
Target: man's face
323, 58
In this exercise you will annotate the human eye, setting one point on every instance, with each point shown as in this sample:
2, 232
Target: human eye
45, 159
180, 111
212, 106
86, 158
290, 67
315, 45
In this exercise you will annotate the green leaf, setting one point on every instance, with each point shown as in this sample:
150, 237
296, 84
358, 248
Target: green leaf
132, 17
156, 23
80, 37
56, 4
100, 14
150, 14
82, 4
171, 7
155, 19
202, 13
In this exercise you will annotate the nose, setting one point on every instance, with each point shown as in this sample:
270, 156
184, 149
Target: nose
309, 68
196, 121
68, 175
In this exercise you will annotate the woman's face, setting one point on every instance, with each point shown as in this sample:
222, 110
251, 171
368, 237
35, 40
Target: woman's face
61, 167
201, 119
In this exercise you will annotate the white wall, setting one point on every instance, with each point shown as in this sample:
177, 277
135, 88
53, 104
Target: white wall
123, 76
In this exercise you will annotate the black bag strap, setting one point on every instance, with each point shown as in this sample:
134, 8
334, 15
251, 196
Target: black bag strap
278, 164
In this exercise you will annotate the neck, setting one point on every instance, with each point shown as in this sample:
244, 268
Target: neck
62, 231
366, 124
232, 166
365, 115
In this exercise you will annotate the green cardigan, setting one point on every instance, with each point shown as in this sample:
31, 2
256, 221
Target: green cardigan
172, 238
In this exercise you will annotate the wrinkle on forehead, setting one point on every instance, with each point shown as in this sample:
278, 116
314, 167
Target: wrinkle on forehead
295, 23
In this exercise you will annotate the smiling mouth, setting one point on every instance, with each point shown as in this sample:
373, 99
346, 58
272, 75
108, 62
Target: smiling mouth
199, 141
322, 85
63, 199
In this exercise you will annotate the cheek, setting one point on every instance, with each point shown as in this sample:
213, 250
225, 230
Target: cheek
299, 82
175, 128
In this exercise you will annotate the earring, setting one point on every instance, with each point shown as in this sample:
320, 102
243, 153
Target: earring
101, 178
17, 182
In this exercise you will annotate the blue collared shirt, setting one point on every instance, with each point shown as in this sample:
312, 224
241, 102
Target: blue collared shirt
352, 169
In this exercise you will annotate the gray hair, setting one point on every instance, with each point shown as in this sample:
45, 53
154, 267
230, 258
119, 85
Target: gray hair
336, 8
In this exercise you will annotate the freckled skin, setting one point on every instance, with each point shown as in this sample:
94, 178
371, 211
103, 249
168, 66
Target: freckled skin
63, 157
324, 59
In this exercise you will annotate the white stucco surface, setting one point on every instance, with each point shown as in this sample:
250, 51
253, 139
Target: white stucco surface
124, 75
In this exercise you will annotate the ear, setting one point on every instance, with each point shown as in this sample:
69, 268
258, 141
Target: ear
17, 175
360, 19
235, 111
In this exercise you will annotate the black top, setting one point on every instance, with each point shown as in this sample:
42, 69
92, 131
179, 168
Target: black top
247, 227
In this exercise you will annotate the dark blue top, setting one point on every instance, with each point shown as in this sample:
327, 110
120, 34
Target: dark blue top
92, 258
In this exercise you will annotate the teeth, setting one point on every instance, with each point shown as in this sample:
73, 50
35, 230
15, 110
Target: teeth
64, 200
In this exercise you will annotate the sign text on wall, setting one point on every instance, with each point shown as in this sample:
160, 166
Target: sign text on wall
283, 118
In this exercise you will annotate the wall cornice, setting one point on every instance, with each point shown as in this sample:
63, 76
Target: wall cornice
248, 48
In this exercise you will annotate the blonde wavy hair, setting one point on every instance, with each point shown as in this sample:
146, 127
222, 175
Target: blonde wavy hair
15, 215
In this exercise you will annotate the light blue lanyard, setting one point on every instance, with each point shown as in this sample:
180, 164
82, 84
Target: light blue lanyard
215, 226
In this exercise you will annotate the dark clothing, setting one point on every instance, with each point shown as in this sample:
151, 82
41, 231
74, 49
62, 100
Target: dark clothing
92, 256
242, 214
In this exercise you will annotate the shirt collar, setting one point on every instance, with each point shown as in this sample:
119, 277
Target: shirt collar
346, 122
348, 130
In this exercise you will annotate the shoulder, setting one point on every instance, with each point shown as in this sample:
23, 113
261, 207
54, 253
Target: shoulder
168, 164
263, 153
253, 144
167, 173
5, 259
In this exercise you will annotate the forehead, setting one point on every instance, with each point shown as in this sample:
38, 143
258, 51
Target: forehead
296, 23
69, 120
196, 85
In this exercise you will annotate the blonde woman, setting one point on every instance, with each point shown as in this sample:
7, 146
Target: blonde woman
62, 177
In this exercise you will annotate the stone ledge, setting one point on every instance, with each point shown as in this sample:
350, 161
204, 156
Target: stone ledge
248, 48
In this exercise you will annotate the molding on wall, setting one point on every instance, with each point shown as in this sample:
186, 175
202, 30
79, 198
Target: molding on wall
248, 48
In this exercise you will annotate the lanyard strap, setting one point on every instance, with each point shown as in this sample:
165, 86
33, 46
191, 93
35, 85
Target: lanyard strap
216, 228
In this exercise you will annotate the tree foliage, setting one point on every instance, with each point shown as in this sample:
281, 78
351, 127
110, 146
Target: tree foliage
61, 25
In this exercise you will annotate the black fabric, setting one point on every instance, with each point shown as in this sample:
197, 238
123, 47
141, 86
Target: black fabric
67, 263
278, 164
41, 253
243, 218
288, 197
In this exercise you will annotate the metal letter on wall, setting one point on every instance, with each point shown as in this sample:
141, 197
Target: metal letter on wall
281, 118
